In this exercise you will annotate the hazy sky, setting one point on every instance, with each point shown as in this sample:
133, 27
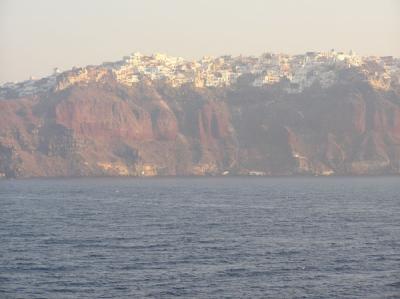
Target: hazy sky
36, 36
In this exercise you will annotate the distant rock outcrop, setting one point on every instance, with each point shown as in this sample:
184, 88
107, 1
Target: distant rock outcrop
92, 125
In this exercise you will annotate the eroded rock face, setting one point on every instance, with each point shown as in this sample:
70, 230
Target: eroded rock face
104, 128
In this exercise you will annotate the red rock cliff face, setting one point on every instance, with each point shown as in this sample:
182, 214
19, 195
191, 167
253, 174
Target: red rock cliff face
97, 115
104, 128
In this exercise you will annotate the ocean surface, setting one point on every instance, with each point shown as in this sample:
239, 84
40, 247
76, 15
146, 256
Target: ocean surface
200, 238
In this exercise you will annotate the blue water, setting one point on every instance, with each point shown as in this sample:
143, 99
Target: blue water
200, 238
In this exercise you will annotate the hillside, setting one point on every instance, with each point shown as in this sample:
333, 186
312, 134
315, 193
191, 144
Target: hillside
97, 125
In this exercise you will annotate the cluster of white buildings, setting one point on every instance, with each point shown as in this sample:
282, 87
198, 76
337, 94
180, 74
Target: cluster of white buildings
298, 71
301, 71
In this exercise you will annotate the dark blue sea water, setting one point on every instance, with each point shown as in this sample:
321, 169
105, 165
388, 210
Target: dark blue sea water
200, 238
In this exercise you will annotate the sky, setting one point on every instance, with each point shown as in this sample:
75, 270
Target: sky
36, 36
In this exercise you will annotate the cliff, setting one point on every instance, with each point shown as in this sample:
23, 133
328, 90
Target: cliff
94, 127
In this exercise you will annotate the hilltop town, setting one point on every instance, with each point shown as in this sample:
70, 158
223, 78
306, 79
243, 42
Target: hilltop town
298, 72
317, 113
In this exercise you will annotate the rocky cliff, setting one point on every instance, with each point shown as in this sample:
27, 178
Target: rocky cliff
101, 127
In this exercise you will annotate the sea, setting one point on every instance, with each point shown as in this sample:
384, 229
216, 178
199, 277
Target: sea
255, 237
